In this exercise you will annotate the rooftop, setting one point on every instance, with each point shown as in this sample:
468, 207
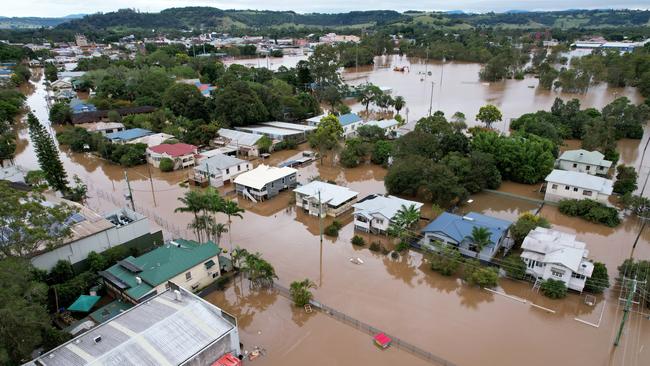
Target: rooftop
586, 157
161, 331
218, 162
289, 126
582, 180
384, 123
174, 150
100, 126
552, 246
263, 174
159, 265
152, 140
332, 194
386, 206
460, 227
239, 137
271, 130
128, 135
349, 118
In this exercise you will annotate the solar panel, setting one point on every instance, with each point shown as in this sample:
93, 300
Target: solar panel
130, 266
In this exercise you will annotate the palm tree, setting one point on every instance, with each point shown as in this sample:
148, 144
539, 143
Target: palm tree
216, 230
398, 103
194, 202
408, 216
231, 209
480, 238
300, 293
200, 224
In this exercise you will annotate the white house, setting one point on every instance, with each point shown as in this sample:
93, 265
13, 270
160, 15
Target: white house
583, 161
388, 125
334, 199
220, 168
153, 140
350, 122
181, 154
375, 213
265, 182
562, 184
61, 84
102, 127
245, 143
552, 254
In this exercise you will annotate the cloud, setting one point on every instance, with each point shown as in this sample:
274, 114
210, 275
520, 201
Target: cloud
56, 8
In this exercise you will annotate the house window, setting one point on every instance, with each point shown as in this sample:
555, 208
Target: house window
238, 168
575, 165
379, 221
227, 171
588, 167
567, 187
587, 193
188, 276
554, 186
557, 273
577, 276
538, 264
601, 167
575, 189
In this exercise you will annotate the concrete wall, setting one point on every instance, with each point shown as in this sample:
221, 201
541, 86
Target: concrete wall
228, 343
556, 192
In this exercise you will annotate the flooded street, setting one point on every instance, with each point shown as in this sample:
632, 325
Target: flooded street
465, 325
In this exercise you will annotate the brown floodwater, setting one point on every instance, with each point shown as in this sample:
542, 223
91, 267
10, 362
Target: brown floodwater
401, 296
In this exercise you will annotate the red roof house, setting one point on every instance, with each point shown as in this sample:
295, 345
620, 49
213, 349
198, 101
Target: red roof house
182, 154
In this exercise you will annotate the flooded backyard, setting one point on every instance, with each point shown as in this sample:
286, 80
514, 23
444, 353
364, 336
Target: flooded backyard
463, 324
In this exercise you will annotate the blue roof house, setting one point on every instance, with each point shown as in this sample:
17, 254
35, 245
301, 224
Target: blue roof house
349, 121
456, 230
79, 106
128, 135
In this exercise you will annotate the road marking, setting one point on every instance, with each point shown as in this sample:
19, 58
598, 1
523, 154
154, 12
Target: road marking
543, 308
519, 299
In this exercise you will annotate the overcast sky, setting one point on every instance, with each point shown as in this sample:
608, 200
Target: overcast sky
56, 8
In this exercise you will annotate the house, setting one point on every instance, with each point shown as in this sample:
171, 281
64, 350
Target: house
102, 127
153, 140
102, 115
183, 155
190, 264
301, 130
79, 106
127, 135
61, 84
552, 254
244, 142
329, 199
350, 122
388, 125
457, 230
562, 184
275, 133
64, 95
175, 327
219, 168
265, 182
92, 232
375, 213
583, 161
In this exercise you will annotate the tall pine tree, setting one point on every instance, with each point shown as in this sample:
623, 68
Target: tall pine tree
48, 155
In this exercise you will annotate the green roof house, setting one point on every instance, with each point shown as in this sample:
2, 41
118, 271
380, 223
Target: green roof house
187, 263
583, 161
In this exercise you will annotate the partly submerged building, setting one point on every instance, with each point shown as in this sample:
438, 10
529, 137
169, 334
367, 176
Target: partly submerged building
190, 264
174, 327
584, 161
182, 155
265, 182
563, 184
329, 199
219, 169
450, 229
552, 254
375, 213
127, 135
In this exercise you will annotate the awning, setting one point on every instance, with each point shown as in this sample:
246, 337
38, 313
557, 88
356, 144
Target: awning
84, 303
209, 264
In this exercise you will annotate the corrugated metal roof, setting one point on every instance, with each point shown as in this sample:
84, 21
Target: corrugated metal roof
385, 206
585, 156
582, 180
263, 174
128, 135
460, 227
218, 162
329, 193
239, 137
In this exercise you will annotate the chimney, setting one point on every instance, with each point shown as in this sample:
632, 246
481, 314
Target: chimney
177, 295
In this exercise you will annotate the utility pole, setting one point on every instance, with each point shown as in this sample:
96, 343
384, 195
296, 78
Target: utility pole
153, 194
128, 184
628, 307
431, 100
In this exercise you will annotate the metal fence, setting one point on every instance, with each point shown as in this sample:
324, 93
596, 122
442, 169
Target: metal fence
358, 324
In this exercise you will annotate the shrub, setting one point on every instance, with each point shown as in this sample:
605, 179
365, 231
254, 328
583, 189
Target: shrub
375, 247
599, 279
61, 272
402, 246
554, 289
625, 179
514, 266
476, 274
591, 210
300, 293
349, 158
96, 262
166, 165
332, 230
357, 240
525, 223
394, 255
222, 282
446, 260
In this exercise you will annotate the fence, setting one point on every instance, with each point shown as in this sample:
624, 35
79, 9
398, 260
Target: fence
397, 342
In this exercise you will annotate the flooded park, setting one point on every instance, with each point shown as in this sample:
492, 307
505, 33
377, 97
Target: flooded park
403, 296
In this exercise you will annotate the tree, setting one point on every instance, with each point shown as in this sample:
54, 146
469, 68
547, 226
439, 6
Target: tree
237, 104
403, 224
327, 135
514, 266
381, 152
446, 260
599, 279
625, 179
264, 144
371, 133
216, 231
78, 192
47, 154
231, 209
60, 113
476, 274
166, 165
185, 100
299, 291
398, 103
324, 65
50, 72
480, 238
524, 224
489, 114
193, 202
459, 121
7, 142
554, 289
260, 272
367, 93
24, 317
